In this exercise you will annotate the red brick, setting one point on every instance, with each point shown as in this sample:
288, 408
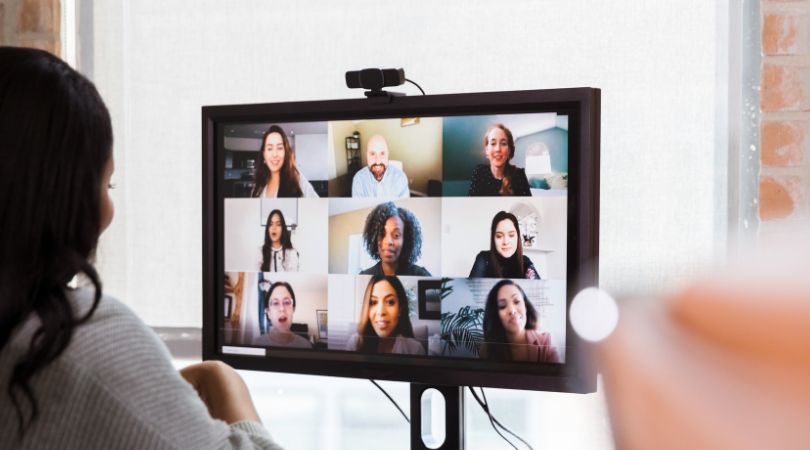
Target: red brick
786, 34
785, 143
776, 198
785, 88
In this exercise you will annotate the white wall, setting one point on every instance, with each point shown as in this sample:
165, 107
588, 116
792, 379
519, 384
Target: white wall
156, 63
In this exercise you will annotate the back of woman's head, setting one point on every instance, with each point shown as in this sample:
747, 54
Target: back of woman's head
55, 141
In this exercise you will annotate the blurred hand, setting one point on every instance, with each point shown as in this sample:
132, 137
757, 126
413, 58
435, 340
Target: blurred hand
721, 365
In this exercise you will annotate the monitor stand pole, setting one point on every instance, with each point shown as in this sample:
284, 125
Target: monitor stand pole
437, 417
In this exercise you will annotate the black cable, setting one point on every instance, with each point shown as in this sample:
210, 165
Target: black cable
492, 420
486, 402
413, 83
485, 406
392, 400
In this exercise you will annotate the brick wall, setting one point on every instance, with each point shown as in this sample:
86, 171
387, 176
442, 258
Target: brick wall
784, 183
31, 23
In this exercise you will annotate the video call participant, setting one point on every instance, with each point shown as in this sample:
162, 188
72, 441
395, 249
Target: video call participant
277, 174
505, 258
280, 310
277, 253
384, 325
393, 236
499, 177
66, 380
510, 328
378, 178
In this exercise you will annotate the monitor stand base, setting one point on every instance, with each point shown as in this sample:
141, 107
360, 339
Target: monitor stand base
437, 417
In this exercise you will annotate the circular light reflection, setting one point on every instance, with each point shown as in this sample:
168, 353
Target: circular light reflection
594, 314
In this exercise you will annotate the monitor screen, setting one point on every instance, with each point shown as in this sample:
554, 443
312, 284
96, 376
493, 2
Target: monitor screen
435, 239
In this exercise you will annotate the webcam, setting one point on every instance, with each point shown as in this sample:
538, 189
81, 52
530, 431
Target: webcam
373, 80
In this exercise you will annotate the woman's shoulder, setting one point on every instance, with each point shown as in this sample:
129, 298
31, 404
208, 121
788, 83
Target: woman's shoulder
539, 338
114, 338
376, 269
420, 271
483, 254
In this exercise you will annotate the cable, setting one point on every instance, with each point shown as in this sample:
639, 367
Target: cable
485, 406
492, 420
413, 83
392, 400
486, 402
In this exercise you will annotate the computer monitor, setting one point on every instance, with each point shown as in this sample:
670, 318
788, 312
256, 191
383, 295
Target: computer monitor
436, 239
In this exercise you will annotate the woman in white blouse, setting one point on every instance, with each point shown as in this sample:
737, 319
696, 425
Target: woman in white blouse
277, 253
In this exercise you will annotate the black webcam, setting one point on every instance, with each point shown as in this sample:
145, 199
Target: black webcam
373, 80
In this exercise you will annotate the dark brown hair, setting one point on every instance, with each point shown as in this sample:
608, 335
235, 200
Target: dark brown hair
289, 183
516, 261
368, 339
494, 332
56, 141
267, 248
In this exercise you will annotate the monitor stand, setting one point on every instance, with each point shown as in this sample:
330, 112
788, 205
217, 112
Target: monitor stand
437, 417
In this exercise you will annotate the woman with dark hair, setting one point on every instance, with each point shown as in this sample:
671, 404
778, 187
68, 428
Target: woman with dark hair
499, 177
277, 174
277, 253
279, 311
505, 258
384, 325
393, 236
68, 379
510, 328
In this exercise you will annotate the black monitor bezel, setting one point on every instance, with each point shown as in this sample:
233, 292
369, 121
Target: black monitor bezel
582, 105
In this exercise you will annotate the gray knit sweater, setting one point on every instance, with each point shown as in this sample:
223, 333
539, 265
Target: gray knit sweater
114, 387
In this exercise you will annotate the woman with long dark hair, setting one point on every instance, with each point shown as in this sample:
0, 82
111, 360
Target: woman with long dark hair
385, 325
277, 174
277, 253
79, 369
505, 258
499, 177
510, 327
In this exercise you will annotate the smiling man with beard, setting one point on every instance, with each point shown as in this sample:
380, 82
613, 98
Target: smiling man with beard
378, 178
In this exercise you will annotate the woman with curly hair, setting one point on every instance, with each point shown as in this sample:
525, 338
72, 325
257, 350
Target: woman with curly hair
393, 236
77, 368
277, 174
384, 325
277, 253
510, 328
499, 177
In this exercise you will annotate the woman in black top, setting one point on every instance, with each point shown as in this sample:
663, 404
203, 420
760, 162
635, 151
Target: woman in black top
393, 236
505, 258
499, 177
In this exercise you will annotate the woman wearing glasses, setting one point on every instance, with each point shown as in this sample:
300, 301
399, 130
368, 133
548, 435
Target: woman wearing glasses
279, 311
